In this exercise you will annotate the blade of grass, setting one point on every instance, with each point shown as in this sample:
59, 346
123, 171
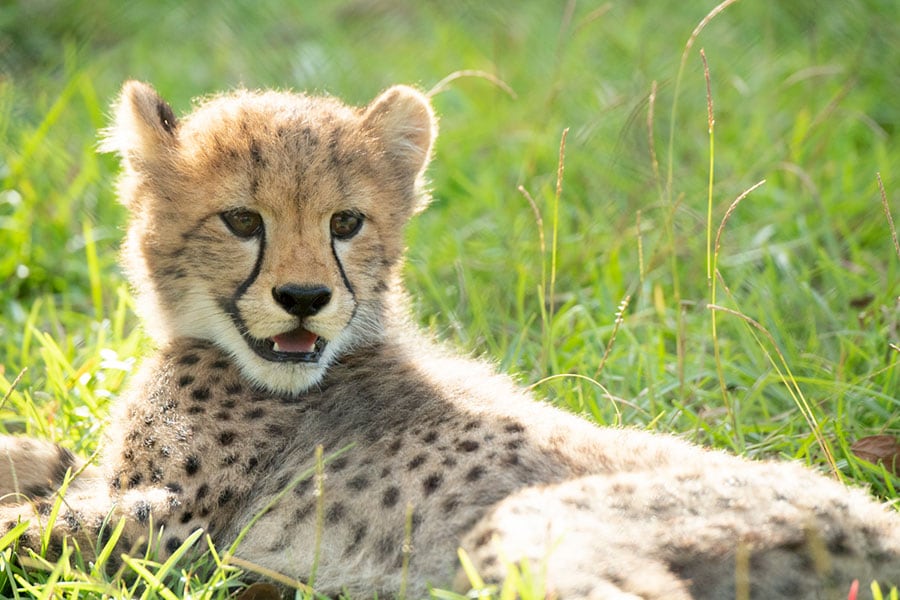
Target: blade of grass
787, 377
887, 213
671, 203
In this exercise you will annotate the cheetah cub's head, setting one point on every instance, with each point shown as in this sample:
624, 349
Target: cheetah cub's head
270, 223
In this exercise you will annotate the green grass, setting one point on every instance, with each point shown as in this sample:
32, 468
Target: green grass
805, 97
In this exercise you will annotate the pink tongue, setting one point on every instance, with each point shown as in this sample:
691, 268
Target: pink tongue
298, 340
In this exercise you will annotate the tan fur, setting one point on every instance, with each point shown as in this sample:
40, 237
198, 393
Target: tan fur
215, 435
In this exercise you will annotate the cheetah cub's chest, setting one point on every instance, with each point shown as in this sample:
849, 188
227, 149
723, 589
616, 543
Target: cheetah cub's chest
391, 459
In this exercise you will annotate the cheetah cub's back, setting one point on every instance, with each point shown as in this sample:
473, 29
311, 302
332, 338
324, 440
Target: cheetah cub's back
265, 244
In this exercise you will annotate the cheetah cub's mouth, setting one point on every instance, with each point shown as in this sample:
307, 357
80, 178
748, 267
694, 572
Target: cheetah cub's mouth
297, 345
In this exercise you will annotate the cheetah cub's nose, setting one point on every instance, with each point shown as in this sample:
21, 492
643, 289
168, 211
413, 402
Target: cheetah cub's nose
302, 301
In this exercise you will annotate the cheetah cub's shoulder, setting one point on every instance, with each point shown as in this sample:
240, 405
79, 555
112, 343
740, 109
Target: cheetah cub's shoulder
265, 245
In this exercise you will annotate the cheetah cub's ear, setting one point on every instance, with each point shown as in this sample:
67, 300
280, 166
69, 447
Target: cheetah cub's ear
402, 119
143, 128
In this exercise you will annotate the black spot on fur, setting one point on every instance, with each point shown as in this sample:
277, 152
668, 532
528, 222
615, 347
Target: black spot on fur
142, 511
256, 154
304, 511
416, 462
514, 444
172, 544
104, 534
255, 413
302, 486
390, 497
309, 136
72, 521
156, 474
385, 472
196, 409
276, 429
357, 535
485, 538
226, 438
468, 446
233, 389
449, 461
475, 473
514, 428
185, 380
202, 492
225, 496
432, 483
358, 482
472, 425
43, 508
511, 459
200, 393
395, 446
135, 479
221, 364
189, 359
838, 544
174, 487
191, 465
430, 437
223, 415
335, 513
338, 464
54, 547
230, 460
451, 503
186, 517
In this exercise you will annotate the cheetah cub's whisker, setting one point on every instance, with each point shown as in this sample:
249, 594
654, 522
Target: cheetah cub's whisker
265, 245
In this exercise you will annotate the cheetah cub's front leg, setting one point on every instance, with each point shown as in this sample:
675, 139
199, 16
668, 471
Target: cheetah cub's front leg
31, 469
36, 475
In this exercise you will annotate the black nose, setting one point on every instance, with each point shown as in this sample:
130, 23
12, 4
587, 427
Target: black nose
301, 300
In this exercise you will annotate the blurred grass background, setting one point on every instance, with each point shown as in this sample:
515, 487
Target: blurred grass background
805, 96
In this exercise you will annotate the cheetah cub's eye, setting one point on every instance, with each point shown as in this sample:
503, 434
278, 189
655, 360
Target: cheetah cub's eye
345, 224
242, 222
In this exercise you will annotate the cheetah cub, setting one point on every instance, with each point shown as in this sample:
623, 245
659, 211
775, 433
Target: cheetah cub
265, 244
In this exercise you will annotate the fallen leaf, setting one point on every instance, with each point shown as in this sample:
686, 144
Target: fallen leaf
260, 591
861, 302
879, 449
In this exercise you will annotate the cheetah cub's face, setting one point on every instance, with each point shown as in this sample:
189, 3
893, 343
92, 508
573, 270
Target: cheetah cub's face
270, 223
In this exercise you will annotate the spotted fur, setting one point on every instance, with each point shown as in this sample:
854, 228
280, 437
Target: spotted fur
265, 244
